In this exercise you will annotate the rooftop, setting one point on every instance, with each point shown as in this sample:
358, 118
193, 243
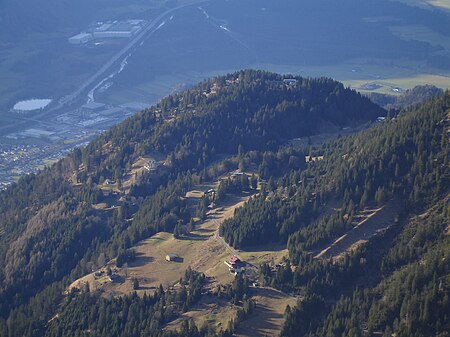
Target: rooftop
93, 106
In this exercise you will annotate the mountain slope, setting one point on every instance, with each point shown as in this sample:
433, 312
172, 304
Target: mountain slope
51, 233
397, 282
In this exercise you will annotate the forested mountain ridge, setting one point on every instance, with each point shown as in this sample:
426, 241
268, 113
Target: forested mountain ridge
395, 283
251, 108
413, 297
51, 234
400, 158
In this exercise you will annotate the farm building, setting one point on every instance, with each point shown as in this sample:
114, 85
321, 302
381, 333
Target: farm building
234, 263
93, 106
172, 257
80, 38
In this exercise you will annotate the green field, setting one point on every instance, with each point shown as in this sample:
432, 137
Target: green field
355, 73
421, 33
443, 4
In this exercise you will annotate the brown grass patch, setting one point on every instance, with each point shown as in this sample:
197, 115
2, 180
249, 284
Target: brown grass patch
202, 250
210, 311
268, 317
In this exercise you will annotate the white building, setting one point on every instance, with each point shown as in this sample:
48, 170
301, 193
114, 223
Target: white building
113, 34
93, 106
80, 38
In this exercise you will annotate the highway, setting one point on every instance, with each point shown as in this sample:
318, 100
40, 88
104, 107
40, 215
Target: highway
64, 101
149, 29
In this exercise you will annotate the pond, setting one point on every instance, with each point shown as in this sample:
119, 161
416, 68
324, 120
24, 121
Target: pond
32, 104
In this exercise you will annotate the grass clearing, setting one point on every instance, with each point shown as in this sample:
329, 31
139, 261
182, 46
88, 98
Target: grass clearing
143, 164
272, 253
268, 317
367, 225
202, 250
210, 310
440, 3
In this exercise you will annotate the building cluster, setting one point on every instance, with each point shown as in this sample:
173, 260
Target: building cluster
21, 159
30, 149
109, 30
235, 265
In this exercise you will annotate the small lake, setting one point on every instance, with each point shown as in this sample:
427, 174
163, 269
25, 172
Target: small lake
32, 104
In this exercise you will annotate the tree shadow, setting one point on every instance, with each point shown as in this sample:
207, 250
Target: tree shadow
116, 278
141, 260
204, 230
146, 288
194, 237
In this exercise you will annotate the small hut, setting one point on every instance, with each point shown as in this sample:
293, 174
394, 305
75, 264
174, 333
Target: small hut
171, 257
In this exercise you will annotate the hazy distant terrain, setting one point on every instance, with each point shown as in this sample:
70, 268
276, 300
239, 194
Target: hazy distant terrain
374, 47
36, 58
351, 40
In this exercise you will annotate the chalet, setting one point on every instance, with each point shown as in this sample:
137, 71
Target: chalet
109, 182
171, 257
290, 81
234, 263
234, 259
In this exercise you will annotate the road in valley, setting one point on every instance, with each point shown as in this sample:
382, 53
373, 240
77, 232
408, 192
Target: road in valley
152, 27
91, 83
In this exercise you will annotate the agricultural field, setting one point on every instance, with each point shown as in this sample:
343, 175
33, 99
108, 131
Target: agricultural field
442, 4
366, 75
